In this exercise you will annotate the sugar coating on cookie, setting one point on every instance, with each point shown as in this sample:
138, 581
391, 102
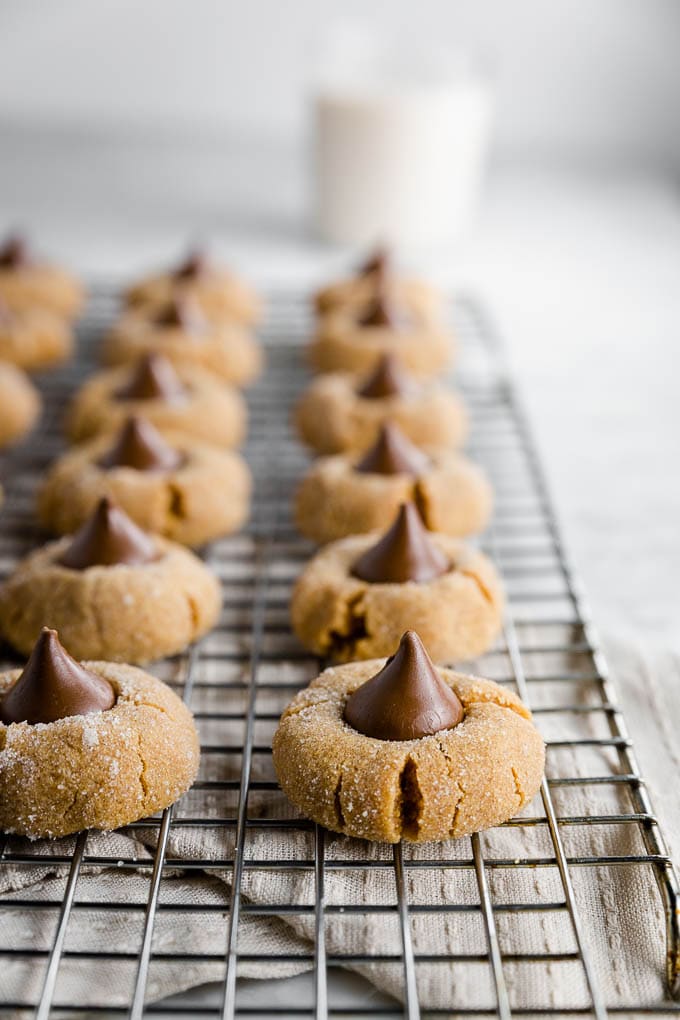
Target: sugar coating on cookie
203, 495
457, 608
124, 762
476, 773
339, 412
199, 404
347, 494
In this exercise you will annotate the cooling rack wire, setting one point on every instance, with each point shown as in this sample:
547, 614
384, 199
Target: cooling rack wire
239, 678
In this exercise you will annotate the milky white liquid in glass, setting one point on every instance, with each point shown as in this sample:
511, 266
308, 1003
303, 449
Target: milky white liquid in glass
400, 166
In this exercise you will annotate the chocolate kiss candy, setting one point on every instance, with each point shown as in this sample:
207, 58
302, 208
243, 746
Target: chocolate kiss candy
14, 253
380, 311
393, 454
54, 686
378, 262
141, 446
154, 378
406, 700
107, 538
196, 264
386, 380
404, 553
180, 311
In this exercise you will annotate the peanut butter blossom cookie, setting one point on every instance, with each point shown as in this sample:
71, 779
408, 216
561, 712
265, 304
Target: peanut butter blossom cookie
340, 412
350, 495
88, 745
26, 282
185, 399
370, 278
218, 292
189, 491
357, 595
353, 339
112, 591
33, 338
20, 404
405, 750
185, 335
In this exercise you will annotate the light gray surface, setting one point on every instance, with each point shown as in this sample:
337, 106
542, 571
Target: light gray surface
574, 77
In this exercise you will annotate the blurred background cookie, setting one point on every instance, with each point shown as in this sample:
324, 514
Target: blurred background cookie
185, 334
184, 399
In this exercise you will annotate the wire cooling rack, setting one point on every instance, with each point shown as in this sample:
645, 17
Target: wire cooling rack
109, 924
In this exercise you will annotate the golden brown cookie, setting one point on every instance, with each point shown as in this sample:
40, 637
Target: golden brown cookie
217, 291
112, 591
340, 412
466, 777
94, 767
185, 335
358, 291
34, 338
184, 399
193, 497
20, 404
357, 596
349, 494
348, 339
26, 283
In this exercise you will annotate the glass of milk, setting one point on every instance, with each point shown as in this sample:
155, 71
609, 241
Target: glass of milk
400, 142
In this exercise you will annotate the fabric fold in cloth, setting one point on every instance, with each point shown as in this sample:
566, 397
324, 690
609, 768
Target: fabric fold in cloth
621, 912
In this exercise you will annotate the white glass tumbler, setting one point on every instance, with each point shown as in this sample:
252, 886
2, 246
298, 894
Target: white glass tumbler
400, 143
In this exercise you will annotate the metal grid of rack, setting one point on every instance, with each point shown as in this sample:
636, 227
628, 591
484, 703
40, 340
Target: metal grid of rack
237, 681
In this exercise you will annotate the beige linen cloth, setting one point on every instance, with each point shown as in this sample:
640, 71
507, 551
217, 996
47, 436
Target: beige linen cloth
620, 907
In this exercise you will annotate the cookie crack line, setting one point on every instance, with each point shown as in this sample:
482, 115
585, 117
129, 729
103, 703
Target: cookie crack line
518, 786
355, 631
337, 804
483, 590
410, 800
459, 787
142, 774
176, 507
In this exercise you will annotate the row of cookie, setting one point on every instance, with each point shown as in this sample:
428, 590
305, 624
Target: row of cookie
117, 593
393, 514
402, 748
197, 314
151, 436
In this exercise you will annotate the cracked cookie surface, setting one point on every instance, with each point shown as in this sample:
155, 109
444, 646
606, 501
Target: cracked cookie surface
210, 409
458, 615
333, 500
449, 784
423, 346
120, 613
101, 770
332, 417
206, 496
